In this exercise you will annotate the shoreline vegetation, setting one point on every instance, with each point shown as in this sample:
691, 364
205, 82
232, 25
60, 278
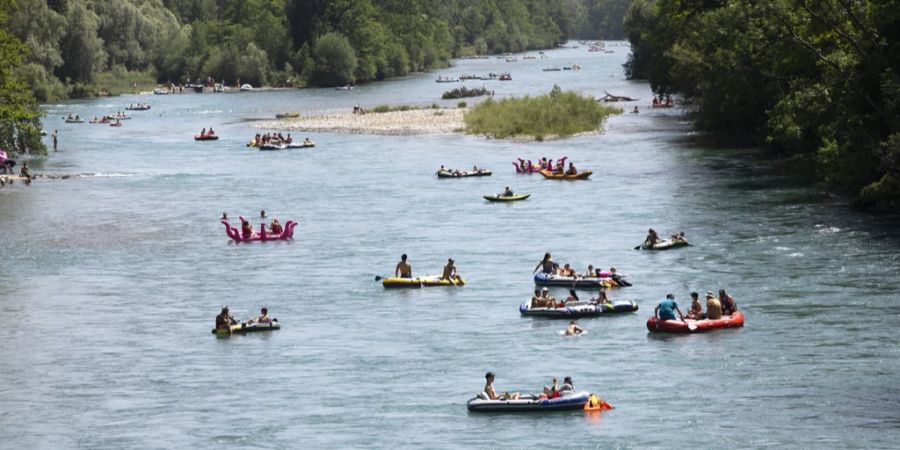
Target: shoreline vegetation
554, 115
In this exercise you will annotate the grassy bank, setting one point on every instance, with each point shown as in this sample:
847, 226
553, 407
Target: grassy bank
556, 114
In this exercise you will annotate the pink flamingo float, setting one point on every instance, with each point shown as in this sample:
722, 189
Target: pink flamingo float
530, 168
235, 234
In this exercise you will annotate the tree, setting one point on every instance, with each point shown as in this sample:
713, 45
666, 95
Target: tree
81, 45
19, 114
335, 61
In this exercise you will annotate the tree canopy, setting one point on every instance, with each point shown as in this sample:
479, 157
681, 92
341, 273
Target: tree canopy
817, 78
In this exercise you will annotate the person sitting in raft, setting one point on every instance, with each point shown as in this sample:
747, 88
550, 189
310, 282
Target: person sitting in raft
263, 317
289, 139
224, 215
549, 300
203, 132
573, 297
679, 237
571, 170
635, 110
696, 311
507, 192
652, 238
619, 279
546, 264
224, 321
601, 298
307, 142
536, 300
276, 227
450, 273
727, 301
492, 394
211, 133
573, 329
551, 391
667, 308
567, 271
568, 386
246, 229
403, 269
713, 307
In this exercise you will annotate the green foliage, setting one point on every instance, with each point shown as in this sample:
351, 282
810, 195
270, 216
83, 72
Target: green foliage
19, 115
465, 92
554, 114
83, 49
335, 61
461, 105
811, 78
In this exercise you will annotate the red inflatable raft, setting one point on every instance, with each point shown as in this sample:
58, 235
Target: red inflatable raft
695, 326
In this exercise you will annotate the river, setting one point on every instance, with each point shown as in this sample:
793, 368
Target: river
109, 284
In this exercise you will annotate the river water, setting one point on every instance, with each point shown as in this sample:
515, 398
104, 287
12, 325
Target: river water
109, 284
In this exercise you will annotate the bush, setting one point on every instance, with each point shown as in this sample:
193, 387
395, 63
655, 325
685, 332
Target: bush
461, 105
465, 92
555, 114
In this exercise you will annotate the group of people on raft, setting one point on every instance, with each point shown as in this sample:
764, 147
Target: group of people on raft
274, 227
404, 269
548, 392
543, 299
274, 139
137, 107
207, 134
550, 267
653, 238
663, 101
716, 307
224, 320
543, 164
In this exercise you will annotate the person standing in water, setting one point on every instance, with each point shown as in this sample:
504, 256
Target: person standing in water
403, 269
54, 140
573, 329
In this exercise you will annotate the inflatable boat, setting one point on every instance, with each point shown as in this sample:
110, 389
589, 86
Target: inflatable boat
666, 244
695, 326
242, 328
580, 309
544, 279
505, 198
235, 234
529, 403
206, 137
446, 173
562, 176
423, 281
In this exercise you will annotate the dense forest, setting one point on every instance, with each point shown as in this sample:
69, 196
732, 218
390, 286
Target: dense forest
72, 43
819, 80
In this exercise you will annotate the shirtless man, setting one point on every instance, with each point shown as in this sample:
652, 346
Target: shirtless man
224, 320
450, 271
573, 329
492, 394
652, 238
403, 269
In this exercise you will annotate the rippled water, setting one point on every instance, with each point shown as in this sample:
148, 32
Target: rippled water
109, 284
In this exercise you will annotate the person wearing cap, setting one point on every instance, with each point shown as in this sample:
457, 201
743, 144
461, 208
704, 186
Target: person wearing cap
450, 273
492, 394
713, 307
403, 269
224, 321
549, 300
667, 308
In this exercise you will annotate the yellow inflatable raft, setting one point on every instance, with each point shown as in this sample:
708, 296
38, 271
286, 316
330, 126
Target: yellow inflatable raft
427, 280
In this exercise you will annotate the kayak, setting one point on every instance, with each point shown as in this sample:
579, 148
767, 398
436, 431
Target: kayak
579, 309
562, 176
665, 245
544, 279
242, 328
198, 137
288, 115
695, 326
508, 198
287, 233
529, 403
463, 174
426, 281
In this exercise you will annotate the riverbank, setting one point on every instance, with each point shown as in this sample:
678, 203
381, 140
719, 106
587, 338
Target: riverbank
394, 123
